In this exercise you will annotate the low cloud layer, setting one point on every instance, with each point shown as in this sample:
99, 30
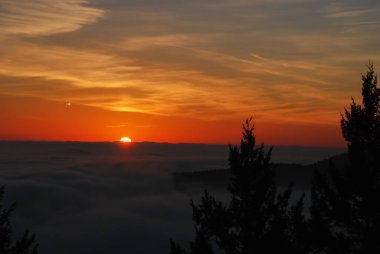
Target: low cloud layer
108, 197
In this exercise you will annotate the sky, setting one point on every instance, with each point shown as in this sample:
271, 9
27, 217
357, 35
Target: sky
183, 71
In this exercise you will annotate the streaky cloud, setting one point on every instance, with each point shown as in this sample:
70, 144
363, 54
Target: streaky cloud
45, 17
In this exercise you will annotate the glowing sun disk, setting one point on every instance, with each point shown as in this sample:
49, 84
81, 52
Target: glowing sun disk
125, 140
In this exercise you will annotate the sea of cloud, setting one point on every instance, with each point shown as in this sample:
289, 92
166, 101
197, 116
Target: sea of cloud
110, 197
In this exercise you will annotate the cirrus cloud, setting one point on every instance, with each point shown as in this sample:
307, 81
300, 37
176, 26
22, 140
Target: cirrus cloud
45, 17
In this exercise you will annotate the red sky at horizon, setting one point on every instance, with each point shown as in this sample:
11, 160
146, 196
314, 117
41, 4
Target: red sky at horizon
40, 120
177, 71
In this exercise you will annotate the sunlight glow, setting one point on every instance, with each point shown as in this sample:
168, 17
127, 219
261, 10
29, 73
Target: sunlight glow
125, 140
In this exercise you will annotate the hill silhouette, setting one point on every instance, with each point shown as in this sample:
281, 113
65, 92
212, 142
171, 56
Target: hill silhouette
286, 173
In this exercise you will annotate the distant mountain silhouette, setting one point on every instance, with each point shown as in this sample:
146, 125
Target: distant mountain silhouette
218, 179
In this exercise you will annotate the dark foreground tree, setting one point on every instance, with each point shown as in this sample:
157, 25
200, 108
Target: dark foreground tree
24, 245
345, 211
257, 219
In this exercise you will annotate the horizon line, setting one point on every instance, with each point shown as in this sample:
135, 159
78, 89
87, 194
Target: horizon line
163, 142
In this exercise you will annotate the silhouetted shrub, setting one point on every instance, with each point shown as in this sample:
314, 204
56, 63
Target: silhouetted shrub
24, 245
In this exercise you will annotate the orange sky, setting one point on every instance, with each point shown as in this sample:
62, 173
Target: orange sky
175, 71
35, 119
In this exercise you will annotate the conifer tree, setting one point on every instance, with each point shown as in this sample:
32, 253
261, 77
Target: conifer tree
345, 211
24, 245
257, 219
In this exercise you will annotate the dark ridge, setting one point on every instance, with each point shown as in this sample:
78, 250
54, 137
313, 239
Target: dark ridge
218, 179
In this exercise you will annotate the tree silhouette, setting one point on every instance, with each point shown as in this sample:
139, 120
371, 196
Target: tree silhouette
257, 219
345, 210
24, 245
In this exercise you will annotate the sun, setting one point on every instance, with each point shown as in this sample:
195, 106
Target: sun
125, 140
